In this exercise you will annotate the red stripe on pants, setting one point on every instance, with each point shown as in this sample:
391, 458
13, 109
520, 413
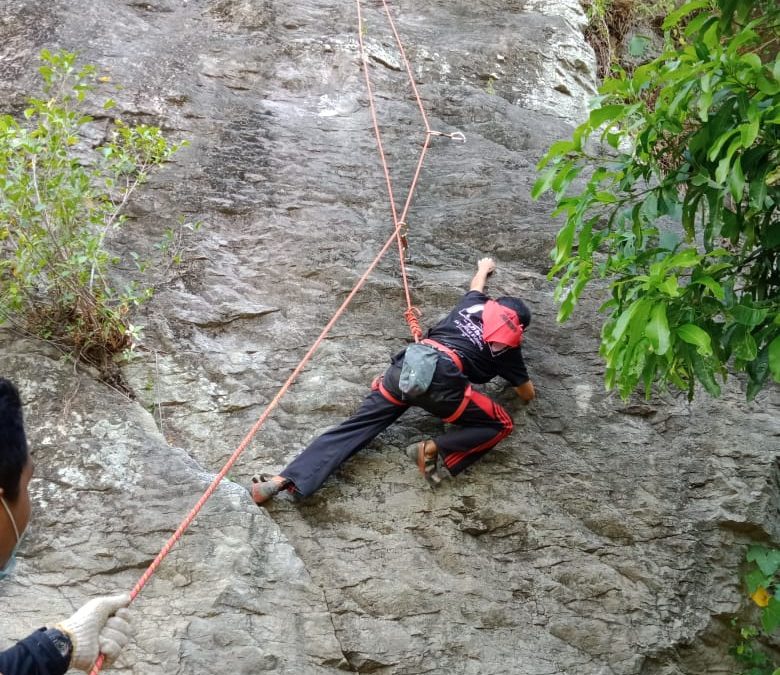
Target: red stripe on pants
494, 411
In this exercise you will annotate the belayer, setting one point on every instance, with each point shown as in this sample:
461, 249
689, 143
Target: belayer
101, 625
478, 340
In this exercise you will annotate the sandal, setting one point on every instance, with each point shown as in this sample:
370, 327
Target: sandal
428, 466
264, 488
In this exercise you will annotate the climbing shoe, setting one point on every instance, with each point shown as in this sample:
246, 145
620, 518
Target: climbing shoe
428, 465
264, 488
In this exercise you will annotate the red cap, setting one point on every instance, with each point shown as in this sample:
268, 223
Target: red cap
501, 324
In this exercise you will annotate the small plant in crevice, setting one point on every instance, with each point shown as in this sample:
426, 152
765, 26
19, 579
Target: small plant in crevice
762, 583
59, 201
171, 246
610, 22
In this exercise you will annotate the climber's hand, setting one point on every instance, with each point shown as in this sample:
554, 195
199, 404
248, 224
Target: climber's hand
486, 265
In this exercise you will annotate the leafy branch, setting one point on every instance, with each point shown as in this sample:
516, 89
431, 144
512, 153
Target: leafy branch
681, 215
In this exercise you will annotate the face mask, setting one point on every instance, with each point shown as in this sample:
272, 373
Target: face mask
9, 566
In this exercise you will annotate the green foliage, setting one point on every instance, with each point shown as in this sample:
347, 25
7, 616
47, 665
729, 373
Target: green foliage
59, 200
681, 215
611, 22
762, 583
748, 654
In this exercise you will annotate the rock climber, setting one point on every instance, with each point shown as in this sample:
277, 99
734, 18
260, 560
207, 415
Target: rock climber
479, 339
101, 625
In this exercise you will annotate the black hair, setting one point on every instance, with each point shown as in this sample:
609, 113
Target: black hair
13, 443
523, 313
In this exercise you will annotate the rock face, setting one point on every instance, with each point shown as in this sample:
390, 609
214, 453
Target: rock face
601, 538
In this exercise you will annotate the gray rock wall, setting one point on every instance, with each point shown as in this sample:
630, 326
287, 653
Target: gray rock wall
601, 538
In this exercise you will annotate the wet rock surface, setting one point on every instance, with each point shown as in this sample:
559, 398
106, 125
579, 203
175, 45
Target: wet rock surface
602, 537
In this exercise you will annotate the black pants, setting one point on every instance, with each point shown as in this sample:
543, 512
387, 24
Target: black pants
481, 422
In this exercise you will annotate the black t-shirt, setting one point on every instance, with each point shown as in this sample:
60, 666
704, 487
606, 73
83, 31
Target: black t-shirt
461, 331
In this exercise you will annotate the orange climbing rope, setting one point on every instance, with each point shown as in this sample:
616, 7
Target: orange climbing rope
411, 314
399, 223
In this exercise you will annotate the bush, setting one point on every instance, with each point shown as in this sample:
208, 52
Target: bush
761, 582
695, 139
59, 200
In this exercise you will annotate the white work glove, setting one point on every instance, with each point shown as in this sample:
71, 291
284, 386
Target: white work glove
115, 635
91, 630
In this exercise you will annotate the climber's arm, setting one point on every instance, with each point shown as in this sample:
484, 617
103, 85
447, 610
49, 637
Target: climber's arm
485, 267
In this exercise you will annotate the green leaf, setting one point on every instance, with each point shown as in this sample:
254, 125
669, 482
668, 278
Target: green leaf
749, 132
746, 349
605, 113
767, 559
703, 105
752, 60
770, 616
613, 139
719, 143
657, 329
556, 150
688, 8
606, 197
694, 335
699, 23
757, 191
685, 258
771, 235
758, 372
670, 286
736, 180
718, 178
767, 86
774, 358
563, 242
756, 579
623, 321
543, 183
705, 374
754, 386
748, 316
638, 45
710, 39
714, 287
566, 174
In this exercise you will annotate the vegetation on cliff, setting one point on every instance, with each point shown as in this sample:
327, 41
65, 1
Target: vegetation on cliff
59, 201
680, 215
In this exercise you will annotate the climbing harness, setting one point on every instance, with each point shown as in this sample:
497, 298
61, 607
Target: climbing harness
411, 314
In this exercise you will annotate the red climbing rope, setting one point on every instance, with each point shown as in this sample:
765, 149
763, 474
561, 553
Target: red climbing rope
411, 314
250, 435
